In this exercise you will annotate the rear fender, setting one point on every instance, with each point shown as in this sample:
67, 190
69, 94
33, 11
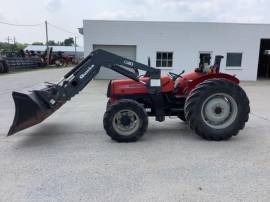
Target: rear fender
195, 82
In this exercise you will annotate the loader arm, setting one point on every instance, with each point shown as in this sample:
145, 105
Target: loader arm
75, 80
34, 107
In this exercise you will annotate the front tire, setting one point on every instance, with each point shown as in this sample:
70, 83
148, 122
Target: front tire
108, 105
217, 109
125, 121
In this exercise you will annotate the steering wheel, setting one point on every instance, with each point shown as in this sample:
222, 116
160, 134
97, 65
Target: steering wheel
176, 76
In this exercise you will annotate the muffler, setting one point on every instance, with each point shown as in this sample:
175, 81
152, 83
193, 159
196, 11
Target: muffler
32, 108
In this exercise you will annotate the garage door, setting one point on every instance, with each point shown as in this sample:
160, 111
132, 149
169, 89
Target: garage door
124, 51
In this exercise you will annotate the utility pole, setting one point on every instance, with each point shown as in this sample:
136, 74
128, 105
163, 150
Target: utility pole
47, 58
46, 27
8, 39
75, 45
14, 40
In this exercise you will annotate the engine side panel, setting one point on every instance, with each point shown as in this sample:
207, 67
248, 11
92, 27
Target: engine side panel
130, 87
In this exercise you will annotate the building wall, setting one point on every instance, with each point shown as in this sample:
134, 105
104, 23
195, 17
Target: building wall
184, 39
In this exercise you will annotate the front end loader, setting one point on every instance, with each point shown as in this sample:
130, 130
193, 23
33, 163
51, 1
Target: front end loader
210, 102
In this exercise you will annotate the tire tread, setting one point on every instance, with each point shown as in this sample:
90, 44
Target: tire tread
195, 97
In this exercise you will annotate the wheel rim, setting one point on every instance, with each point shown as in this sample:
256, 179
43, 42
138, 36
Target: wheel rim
126, 122
219, 110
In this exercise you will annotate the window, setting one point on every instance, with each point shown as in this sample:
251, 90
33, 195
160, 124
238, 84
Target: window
234, 60
164, 59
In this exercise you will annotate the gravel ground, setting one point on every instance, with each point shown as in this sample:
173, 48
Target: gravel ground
69, 157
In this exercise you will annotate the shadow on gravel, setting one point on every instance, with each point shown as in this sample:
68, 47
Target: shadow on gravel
45, 135
181, 132
175, 131
56, 133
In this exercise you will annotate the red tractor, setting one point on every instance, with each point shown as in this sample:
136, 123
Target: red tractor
211, 103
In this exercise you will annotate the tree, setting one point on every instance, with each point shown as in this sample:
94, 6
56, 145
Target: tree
69, 41
52, 43
60, 43
5, 47
37, 43
66, 42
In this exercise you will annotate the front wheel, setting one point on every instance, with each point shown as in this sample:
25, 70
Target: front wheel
125, 121
217, 109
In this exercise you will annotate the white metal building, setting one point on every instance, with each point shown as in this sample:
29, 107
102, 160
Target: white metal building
176, 46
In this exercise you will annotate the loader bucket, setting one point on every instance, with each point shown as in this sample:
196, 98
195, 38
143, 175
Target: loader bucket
30, 110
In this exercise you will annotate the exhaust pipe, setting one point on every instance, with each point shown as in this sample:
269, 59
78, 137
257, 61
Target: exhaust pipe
31, 108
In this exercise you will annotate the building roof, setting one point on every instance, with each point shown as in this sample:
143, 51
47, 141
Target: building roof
177, 22
55, 48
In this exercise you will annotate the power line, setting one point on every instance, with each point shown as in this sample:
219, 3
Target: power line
21, 25
46, 25
34, 25
61, 29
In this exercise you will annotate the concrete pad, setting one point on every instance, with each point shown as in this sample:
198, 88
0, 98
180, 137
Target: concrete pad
69, 157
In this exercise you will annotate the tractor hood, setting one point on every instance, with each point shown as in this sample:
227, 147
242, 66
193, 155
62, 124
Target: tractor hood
129, 86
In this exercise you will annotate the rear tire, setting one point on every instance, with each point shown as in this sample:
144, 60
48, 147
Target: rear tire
217, 109
6, 68
125, 121
2, 68
182, 117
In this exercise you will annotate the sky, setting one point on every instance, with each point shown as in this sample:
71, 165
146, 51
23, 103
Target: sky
69, 14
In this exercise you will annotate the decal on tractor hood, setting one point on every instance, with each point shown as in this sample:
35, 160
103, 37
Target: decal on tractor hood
128, 63
86, 72
155, 82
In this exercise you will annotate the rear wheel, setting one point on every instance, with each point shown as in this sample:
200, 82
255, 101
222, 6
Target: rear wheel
182, 117
6, 68
2, 68
217, 109
125, 121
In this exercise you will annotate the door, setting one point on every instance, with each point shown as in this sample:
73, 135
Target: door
122, 50
264, 60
